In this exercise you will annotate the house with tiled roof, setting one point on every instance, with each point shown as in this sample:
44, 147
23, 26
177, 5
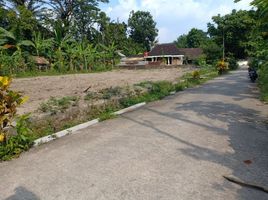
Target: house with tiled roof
165, 54
191, 54
169, 54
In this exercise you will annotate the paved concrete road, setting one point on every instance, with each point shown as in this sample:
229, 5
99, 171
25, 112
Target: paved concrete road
177, 148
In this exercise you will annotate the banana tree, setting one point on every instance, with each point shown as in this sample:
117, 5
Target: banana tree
14, 47
9, 41
41, 45
60, 43
109, 52
91, 55
71, 54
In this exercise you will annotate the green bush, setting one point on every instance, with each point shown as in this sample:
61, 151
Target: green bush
232, 63
253, 63
156, 90
108, 93
19, 142
263, 81
161, 89
55, 105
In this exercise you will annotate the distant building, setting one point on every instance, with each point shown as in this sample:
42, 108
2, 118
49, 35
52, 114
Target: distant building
165, 54
191, 54
162, 55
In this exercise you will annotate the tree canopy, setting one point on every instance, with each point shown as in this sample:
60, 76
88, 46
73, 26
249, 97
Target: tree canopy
235, 28
142, 28
195, 38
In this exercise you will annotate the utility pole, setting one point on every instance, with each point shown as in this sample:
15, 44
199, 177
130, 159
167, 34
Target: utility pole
223, 45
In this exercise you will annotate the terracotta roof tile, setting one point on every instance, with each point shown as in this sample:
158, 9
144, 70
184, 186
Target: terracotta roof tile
191, 53
165, 49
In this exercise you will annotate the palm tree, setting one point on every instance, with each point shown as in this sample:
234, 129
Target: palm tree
33, 5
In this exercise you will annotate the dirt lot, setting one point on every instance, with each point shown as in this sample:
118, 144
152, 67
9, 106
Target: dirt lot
40, 89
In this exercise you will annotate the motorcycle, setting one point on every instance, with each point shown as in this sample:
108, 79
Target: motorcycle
252, 73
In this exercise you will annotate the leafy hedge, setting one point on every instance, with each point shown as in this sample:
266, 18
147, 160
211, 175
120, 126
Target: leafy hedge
12, 144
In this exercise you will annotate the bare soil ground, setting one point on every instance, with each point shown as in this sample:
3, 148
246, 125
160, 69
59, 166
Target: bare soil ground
40, 89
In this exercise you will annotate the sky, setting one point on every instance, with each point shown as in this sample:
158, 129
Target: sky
174, 17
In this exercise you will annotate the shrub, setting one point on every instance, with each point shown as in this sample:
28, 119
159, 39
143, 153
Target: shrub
21, 141
91, 95
108, 93
196, 74
201, 60
9, 100
11, 144
254, 63
222, 67
54, 105
263, 81
232, 63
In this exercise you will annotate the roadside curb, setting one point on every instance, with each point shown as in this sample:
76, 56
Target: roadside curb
73, 129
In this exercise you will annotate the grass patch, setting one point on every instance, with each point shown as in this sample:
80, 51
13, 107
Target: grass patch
108, 93
160, 89
59, 122
36, 73
91, 96
54, 105
105, 116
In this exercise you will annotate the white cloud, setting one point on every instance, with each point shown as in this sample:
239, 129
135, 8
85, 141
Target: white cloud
175, 17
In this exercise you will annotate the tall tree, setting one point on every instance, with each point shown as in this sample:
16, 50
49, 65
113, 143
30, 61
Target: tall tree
115, 33
196, 38
3, 17
31, 5
142, 28
234, 30
71, 12
22, 22
181, 41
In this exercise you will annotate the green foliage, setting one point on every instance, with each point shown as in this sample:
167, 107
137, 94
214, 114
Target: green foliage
195, 38
91, 96
201, 60
142, 28
106, 116
235, 28
232, 63
22, 22
55, 105
222, 67
254, 63
108, 93
9, 101
11, 145
212, 51
181, 41
73, 16
14, 145
263, 81
196, 74
155, 91
259, 45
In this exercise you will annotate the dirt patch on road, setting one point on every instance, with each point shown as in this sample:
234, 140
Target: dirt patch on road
40, 89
